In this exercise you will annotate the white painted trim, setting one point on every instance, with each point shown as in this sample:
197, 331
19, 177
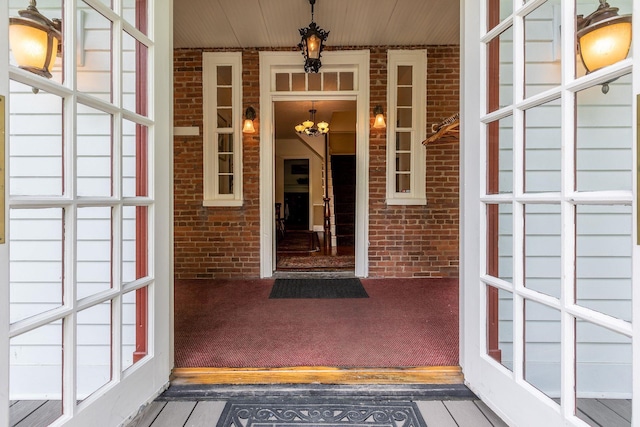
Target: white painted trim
186, 131
357, 58
635, 298
4, 248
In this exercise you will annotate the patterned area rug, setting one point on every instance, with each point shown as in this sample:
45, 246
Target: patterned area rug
299, 242
307, 262
334, 414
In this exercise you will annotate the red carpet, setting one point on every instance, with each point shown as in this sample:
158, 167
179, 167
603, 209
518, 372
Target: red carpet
233, 323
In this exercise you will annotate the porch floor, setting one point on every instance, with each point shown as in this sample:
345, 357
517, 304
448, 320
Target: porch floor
433, 406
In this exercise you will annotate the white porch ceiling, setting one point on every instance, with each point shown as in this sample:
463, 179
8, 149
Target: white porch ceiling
275, 23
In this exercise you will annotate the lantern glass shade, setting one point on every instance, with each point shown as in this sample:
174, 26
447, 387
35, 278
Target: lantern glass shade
248, 126
605, 45
34, 46
307, 123
313, 46
379, 123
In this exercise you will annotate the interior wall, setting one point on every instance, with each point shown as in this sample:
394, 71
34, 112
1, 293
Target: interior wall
405, 241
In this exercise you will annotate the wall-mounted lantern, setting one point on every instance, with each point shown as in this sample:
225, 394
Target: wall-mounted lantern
35, 40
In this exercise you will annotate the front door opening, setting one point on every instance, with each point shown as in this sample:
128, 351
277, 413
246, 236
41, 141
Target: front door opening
315, 187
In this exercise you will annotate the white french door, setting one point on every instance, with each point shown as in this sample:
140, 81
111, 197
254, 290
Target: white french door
549, 232
86, 263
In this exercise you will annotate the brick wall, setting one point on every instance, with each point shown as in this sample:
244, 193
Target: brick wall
406, 241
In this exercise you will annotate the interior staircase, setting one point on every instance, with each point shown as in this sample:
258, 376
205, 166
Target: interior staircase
343, 170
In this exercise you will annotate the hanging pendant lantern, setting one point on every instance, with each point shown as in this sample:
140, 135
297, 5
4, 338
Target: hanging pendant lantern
312, 44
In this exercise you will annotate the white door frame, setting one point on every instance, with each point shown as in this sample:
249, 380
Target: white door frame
124, 395
269, 61
512, 398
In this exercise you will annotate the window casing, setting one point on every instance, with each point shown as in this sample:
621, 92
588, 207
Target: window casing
406, 171
222, 86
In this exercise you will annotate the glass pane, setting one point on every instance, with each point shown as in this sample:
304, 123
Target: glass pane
405, 75
135, 11
93, 349
52, 9
128, 244
542, 43
223, 76
405, 96
405, 119
604, 137
35, 142
603, 265
603, 376
500, 156
94, 236
500, 71
35, 261
94, 72
403, 141
35, 378
542, 263
225, 116
225, 163
403, 183
403, 162
314, 81
134, 327
93, 152
542, 331
225, 143
224, 97
299, 82
225, 184
134, 74
282, 82
500, 241
134, 147
500, 326
346, 81
497, 11
330, 81
543, 142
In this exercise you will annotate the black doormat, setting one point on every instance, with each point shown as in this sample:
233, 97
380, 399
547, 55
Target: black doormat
336, 414
318, 288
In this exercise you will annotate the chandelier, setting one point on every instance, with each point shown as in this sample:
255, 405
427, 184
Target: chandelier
310, 128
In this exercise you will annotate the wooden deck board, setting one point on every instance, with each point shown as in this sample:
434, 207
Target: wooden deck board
21, 409
47, 413
206, 413
466, 413
174, 414
435, 413
592, 410
621, 407
491, 416
148, 415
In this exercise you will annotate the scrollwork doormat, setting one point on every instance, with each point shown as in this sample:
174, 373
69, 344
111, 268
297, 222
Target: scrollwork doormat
327, 414
318, 288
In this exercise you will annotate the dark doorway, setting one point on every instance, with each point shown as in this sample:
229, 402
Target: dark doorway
296, 194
